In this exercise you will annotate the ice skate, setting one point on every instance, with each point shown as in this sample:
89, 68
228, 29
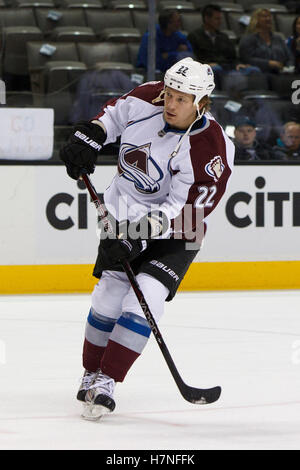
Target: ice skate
86, 382
99, 397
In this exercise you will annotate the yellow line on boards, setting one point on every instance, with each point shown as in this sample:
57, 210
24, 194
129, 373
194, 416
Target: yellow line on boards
37, 279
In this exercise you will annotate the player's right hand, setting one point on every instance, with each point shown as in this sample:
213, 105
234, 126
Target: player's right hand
80, 154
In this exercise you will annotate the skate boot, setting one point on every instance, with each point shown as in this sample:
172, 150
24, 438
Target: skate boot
86, 382
99, 397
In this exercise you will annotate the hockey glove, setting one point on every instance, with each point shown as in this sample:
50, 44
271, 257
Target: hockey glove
114, 250
133, 238
80, 154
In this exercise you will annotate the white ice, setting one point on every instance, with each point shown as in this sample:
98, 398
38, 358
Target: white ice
247, 342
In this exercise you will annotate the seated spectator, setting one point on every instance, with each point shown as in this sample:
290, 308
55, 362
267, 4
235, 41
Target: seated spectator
171, 44
263, 48
293, 43
288, 145
247, 147
213, 47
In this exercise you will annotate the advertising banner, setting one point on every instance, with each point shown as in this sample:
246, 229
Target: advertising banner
47, 218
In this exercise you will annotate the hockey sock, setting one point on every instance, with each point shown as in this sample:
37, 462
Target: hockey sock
126, 342
97, 332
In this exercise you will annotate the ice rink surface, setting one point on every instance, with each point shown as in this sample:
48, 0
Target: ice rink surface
247, 342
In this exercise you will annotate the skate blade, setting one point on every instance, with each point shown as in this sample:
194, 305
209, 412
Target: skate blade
94, 412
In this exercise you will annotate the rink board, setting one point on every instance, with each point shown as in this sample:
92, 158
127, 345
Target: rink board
49, 236
201, 276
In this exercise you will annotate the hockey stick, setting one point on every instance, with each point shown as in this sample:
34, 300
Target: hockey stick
191, 394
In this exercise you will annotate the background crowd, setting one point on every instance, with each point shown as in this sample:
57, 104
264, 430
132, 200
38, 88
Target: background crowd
260, 51
255, 72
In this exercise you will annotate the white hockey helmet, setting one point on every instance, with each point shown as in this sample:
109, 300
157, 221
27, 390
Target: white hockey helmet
190, 76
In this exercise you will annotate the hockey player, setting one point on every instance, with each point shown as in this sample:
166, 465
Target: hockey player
174, 159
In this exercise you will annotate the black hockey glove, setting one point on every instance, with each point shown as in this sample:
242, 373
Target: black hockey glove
133, 238
80, 154
114, 250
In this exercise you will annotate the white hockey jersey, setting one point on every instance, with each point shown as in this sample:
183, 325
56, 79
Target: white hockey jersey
148, 176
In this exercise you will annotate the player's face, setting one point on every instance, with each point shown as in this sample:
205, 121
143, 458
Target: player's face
245, 135
179, 108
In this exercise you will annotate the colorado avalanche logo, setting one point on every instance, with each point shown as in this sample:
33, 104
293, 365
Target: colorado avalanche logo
137, 165
215, 168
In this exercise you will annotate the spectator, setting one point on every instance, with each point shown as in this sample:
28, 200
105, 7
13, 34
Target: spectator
171, 44
293, 43
288, 145
263, 48
247, 147
214, 47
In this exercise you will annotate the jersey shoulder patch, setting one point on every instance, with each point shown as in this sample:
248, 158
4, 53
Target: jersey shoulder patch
208, 152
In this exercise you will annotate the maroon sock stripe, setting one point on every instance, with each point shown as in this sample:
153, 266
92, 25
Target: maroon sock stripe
117, 360
92, 356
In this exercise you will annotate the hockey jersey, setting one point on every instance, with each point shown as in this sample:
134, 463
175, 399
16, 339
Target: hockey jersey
187, 184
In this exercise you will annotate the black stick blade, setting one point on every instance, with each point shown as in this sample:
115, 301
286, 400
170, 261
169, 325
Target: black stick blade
200, 396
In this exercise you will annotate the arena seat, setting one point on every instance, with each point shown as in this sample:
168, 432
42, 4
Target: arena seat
199, 4
17, 17
140, 20
73, 34
48, 20
230, 7
40, 54
237, 22
65, 51
285, 23
128, 5
133, 49
246, 4
181, 6
99, 20
273, 7
255, 81
86, 4
61, 74
192, 21
281, 107
120, 35
34, 3
14, 60
91, 53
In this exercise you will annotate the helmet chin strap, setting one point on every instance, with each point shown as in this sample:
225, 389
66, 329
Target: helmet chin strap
198, 117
